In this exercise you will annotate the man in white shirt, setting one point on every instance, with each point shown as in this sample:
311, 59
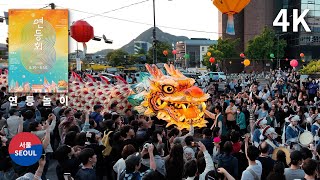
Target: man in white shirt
13, 123
254, 170
231, 115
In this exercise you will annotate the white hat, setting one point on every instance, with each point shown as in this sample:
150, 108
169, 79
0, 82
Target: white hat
261, 121
267, 130
295, 118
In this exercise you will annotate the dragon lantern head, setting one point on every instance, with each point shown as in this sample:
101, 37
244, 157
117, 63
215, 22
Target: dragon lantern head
174, 98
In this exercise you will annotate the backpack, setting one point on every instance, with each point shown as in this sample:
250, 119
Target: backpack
105, 141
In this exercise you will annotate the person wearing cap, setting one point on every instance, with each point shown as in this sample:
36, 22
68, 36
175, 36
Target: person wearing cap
261, 123
133, 164
269, 134
292, 132
316, 125
96, 115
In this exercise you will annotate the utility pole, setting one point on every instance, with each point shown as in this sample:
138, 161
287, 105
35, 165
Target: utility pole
155, 61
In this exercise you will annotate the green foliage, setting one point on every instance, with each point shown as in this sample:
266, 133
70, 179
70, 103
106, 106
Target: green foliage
261, 46
161, 46
225, 48
311, 68
117, 58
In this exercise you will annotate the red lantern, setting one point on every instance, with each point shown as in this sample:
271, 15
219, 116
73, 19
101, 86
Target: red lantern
81, 31
301, 55
212, 60
294, 63
174, 52
242, 55
165, 52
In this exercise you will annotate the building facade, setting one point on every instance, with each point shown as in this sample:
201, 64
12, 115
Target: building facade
261, 13
141, 45
196, 48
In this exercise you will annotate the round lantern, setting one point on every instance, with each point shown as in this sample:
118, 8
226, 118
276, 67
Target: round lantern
212, 60
209, 54
301, 55
165, 52
230, 7
246, 62
186, 56
174, 52
294, 63
81, 31
242, 55
271, 55
287, 59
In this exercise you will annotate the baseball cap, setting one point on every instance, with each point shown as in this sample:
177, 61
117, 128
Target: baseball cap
133, 160
98, 106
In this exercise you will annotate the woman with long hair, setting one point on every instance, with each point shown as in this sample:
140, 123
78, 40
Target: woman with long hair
175, 163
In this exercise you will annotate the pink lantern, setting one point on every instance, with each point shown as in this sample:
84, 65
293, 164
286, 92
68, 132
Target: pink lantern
294, 63
174, 52
287, 59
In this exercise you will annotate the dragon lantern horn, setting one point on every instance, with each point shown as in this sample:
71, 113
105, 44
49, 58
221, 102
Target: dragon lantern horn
154, 71
172, 71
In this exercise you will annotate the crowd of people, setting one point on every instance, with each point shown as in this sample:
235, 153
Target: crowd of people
254, 132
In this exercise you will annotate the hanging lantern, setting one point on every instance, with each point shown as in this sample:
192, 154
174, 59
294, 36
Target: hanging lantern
209, 54
230, 62
230, 7
212, 60
303, 60
271, 55
287, 59
186, 56
81, 31
246, 62
174, 52
242, 55
165, 52
294, 63
301, 55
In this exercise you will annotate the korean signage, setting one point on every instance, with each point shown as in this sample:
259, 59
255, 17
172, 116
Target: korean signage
38, 51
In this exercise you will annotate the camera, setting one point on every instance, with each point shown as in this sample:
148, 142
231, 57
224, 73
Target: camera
146, 145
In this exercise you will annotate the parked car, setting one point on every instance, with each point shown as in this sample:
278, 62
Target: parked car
213, 76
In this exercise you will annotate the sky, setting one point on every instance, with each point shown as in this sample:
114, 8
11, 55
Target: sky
199, 15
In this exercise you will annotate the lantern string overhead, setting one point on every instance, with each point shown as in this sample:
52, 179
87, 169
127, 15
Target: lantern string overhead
230, 7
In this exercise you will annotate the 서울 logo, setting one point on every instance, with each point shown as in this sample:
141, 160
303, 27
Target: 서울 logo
25, 149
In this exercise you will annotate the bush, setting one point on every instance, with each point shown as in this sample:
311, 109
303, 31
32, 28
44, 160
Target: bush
311, 68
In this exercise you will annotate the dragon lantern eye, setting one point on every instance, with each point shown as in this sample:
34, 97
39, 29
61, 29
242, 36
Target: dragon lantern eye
168, 89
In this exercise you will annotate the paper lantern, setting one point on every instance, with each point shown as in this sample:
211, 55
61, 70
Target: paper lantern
186, 56
287, 59
165, 52
294, 63
230, 62
303, 60
209, 54
212, 60
174, 52
301, 55
81, 31
242, 55
230, 7
272, 55
246, 62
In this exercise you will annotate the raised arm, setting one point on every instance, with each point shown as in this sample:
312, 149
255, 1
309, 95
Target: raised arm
153, 165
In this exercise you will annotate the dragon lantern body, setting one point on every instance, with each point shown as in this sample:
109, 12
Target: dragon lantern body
174, 98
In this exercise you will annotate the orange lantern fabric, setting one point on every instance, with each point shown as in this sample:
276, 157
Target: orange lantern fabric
165, 52
301, 55
230, 7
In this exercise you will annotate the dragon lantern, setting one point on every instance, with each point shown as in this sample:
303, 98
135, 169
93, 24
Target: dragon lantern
173, 98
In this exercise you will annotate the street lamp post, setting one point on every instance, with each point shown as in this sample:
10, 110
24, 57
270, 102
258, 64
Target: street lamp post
154, 34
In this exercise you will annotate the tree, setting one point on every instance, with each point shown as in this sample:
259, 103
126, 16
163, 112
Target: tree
265, 44
224, 49
161, 46
117, 58
311, 68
